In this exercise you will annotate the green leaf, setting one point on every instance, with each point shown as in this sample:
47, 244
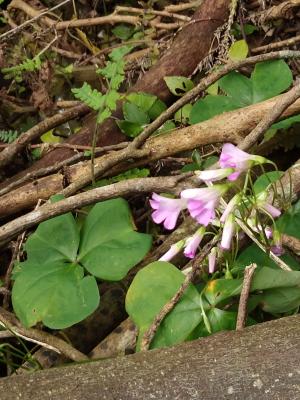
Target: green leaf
209, 161
48, 137
253, 254
166, 127
190, 167
280, 300
213, 89
269, 79
111, 99
289, 222
56, 294
219, 290
183, 114
123, 32
219, 320
130, 174
143, 101
269, 134
118, 53
209, 107
269, 278
150, 290
238, 50
56, 239
249, 29
130, 129
115, 81
103, 115
133, 113
157, 108
286, 123
109, 246
89, 96
263, 181
178, 85
112, 69
238, 87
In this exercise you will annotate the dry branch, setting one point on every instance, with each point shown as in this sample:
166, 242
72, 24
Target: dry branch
34, 133
188, 48
283, 10
277, 45
242, 311
280, 106
168, 307
45, 339
76, 23
259, 362
228, 127
124, 188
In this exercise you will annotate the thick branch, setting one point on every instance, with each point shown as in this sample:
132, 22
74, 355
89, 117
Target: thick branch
228, 127
45, 339
259, 362
124, 188
34, 133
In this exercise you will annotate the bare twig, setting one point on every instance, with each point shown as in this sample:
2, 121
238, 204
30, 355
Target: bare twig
167, 308
49, 123
47, 211
205, 83
56, 167
282, 104
142, 11
140, 140
8, 321
229, 127
292, 243
7, 279
106, 164
76, 23
277, 45
281, 264
183, 6
242, 311
18, 28
282, 10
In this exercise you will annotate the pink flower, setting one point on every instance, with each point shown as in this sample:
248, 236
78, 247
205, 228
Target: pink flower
234, 202
214, 174
256, 227
233, 157
202, 202
212, 257
267, 207
166, 210
228, 232
277, 248
171, 253
268, 232
192, 243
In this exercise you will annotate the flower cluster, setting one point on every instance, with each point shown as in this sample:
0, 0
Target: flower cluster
205, 206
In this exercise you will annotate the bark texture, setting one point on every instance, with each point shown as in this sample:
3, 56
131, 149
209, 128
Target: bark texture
260, 362
189, 47
228, 127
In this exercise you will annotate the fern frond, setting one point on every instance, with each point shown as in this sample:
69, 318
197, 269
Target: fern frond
89, 96
29, 65
8, 136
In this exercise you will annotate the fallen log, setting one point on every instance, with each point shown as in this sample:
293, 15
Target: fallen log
228, 127
259, 362
189, 47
